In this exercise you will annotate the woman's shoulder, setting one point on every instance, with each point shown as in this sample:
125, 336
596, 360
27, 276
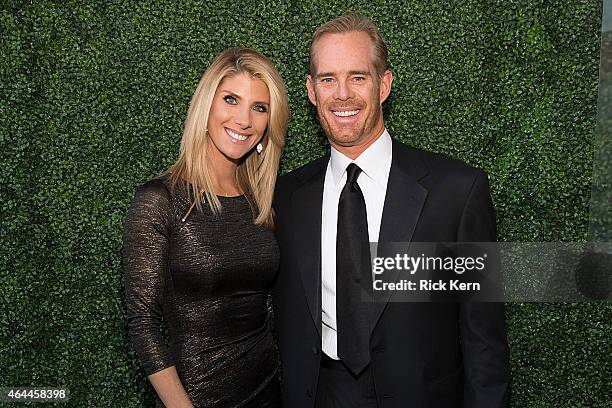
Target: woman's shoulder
155, 189
162, 194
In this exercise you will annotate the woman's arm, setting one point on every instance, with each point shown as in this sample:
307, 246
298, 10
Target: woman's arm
169, 388
145, 259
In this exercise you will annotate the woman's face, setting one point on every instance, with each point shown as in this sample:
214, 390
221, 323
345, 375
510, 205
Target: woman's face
238, 117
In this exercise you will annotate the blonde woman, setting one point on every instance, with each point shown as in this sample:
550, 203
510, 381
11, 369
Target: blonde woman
199, 253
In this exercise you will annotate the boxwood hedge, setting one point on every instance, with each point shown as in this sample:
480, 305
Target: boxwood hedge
93, 97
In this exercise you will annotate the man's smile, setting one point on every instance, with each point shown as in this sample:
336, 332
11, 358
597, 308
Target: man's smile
345, 113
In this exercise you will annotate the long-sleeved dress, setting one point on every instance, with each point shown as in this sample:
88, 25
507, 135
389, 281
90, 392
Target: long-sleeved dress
208, 279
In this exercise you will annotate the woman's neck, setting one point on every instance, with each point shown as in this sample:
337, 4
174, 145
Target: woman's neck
224, 178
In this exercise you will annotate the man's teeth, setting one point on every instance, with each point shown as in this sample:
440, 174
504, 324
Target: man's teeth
236, 135
346, 113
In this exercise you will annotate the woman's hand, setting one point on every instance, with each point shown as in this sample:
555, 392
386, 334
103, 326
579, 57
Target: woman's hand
169, 388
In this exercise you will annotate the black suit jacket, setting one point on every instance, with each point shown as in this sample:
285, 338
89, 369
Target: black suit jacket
422, 354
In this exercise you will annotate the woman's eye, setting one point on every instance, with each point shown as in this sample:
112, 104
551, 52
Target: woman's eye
260, 108
230, 99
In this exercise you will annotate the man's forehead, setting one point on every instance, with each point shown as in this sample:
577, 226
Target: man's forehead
352, 40
343, 52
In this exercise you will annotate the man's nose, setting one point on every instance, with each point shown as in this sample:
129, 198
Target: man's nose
343, 90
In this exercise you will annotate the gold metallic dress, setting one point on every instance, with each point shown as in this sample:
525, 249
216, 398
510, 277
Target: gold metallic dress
207, 279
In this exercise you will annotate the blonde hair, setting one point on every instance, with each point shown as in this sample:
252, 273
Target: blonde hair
346, 24
256, 173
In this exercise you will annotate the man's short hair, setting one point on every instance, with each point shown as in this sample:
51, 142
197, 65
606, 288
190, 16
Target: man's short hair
354, 22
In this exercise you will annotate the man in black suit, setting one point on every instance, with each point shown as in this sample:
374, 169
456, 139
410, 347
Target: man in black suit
337, 350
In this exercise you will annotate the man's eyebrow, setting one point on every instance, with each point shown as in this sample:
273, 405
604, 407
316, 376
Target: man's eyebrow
331, 74
325, 74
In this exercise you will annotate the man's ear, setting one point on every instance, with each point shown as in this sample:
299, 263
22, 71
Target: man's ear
385, 86
311, 92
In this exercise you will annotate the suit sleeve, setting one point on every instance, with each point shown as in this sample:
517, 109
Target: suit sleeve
145, 254
483, 330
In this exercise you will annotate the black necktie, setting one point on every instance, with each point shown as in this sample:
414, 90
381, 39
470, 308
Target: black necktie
353, 275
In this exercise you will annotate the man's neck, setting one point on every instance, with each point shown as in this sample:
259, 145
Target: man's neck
352, 152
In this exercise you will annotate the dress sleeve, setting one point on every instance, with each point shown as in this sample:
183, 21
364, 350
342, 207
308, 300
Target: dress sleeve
145, 254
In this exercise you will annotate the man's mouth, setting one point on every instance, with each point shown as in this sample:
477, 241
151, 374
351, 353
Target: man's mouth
345, 113
238, 137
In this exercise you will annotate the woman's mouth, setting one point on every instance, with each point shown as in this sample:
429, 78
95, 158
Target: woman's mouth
235, 136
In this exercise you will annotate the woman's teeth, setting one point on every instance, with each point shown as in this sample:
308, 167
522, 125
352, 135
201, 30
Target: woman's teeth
235, 135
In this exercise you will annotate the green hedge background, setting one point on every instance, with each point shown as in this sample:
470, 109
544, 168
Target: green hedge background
92, 100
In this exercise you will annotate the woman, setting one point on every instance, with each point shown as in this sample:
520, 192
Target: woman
199, 252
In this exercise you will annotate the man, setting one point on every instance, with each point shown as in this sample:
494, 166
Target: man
337, 350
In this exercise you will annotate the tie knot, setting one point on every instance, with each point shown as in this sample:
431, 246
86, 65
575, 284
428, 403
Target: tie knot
352, 172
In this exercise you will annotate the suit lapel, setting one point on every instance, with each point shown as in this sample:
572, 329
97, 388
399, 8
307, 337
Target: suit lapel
404, 201
307, 203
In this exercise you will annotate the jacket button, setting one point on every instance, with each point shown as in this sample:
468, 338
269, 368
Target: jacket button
315, 350
309, 392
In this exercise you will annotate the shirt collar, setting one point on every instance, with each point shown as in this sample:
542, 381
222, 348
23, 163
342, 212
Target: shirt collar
374, 161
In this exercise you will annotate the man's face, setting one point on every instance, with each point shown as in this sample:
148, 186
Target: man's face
347, 92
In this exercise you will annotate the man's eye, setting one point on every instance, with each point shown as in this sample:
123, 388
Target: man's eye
260, 108
358, 78
327, 80
230, 99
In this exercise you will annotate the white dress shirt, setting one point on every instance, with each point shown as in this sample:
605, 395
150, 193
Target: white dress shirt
375, 163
